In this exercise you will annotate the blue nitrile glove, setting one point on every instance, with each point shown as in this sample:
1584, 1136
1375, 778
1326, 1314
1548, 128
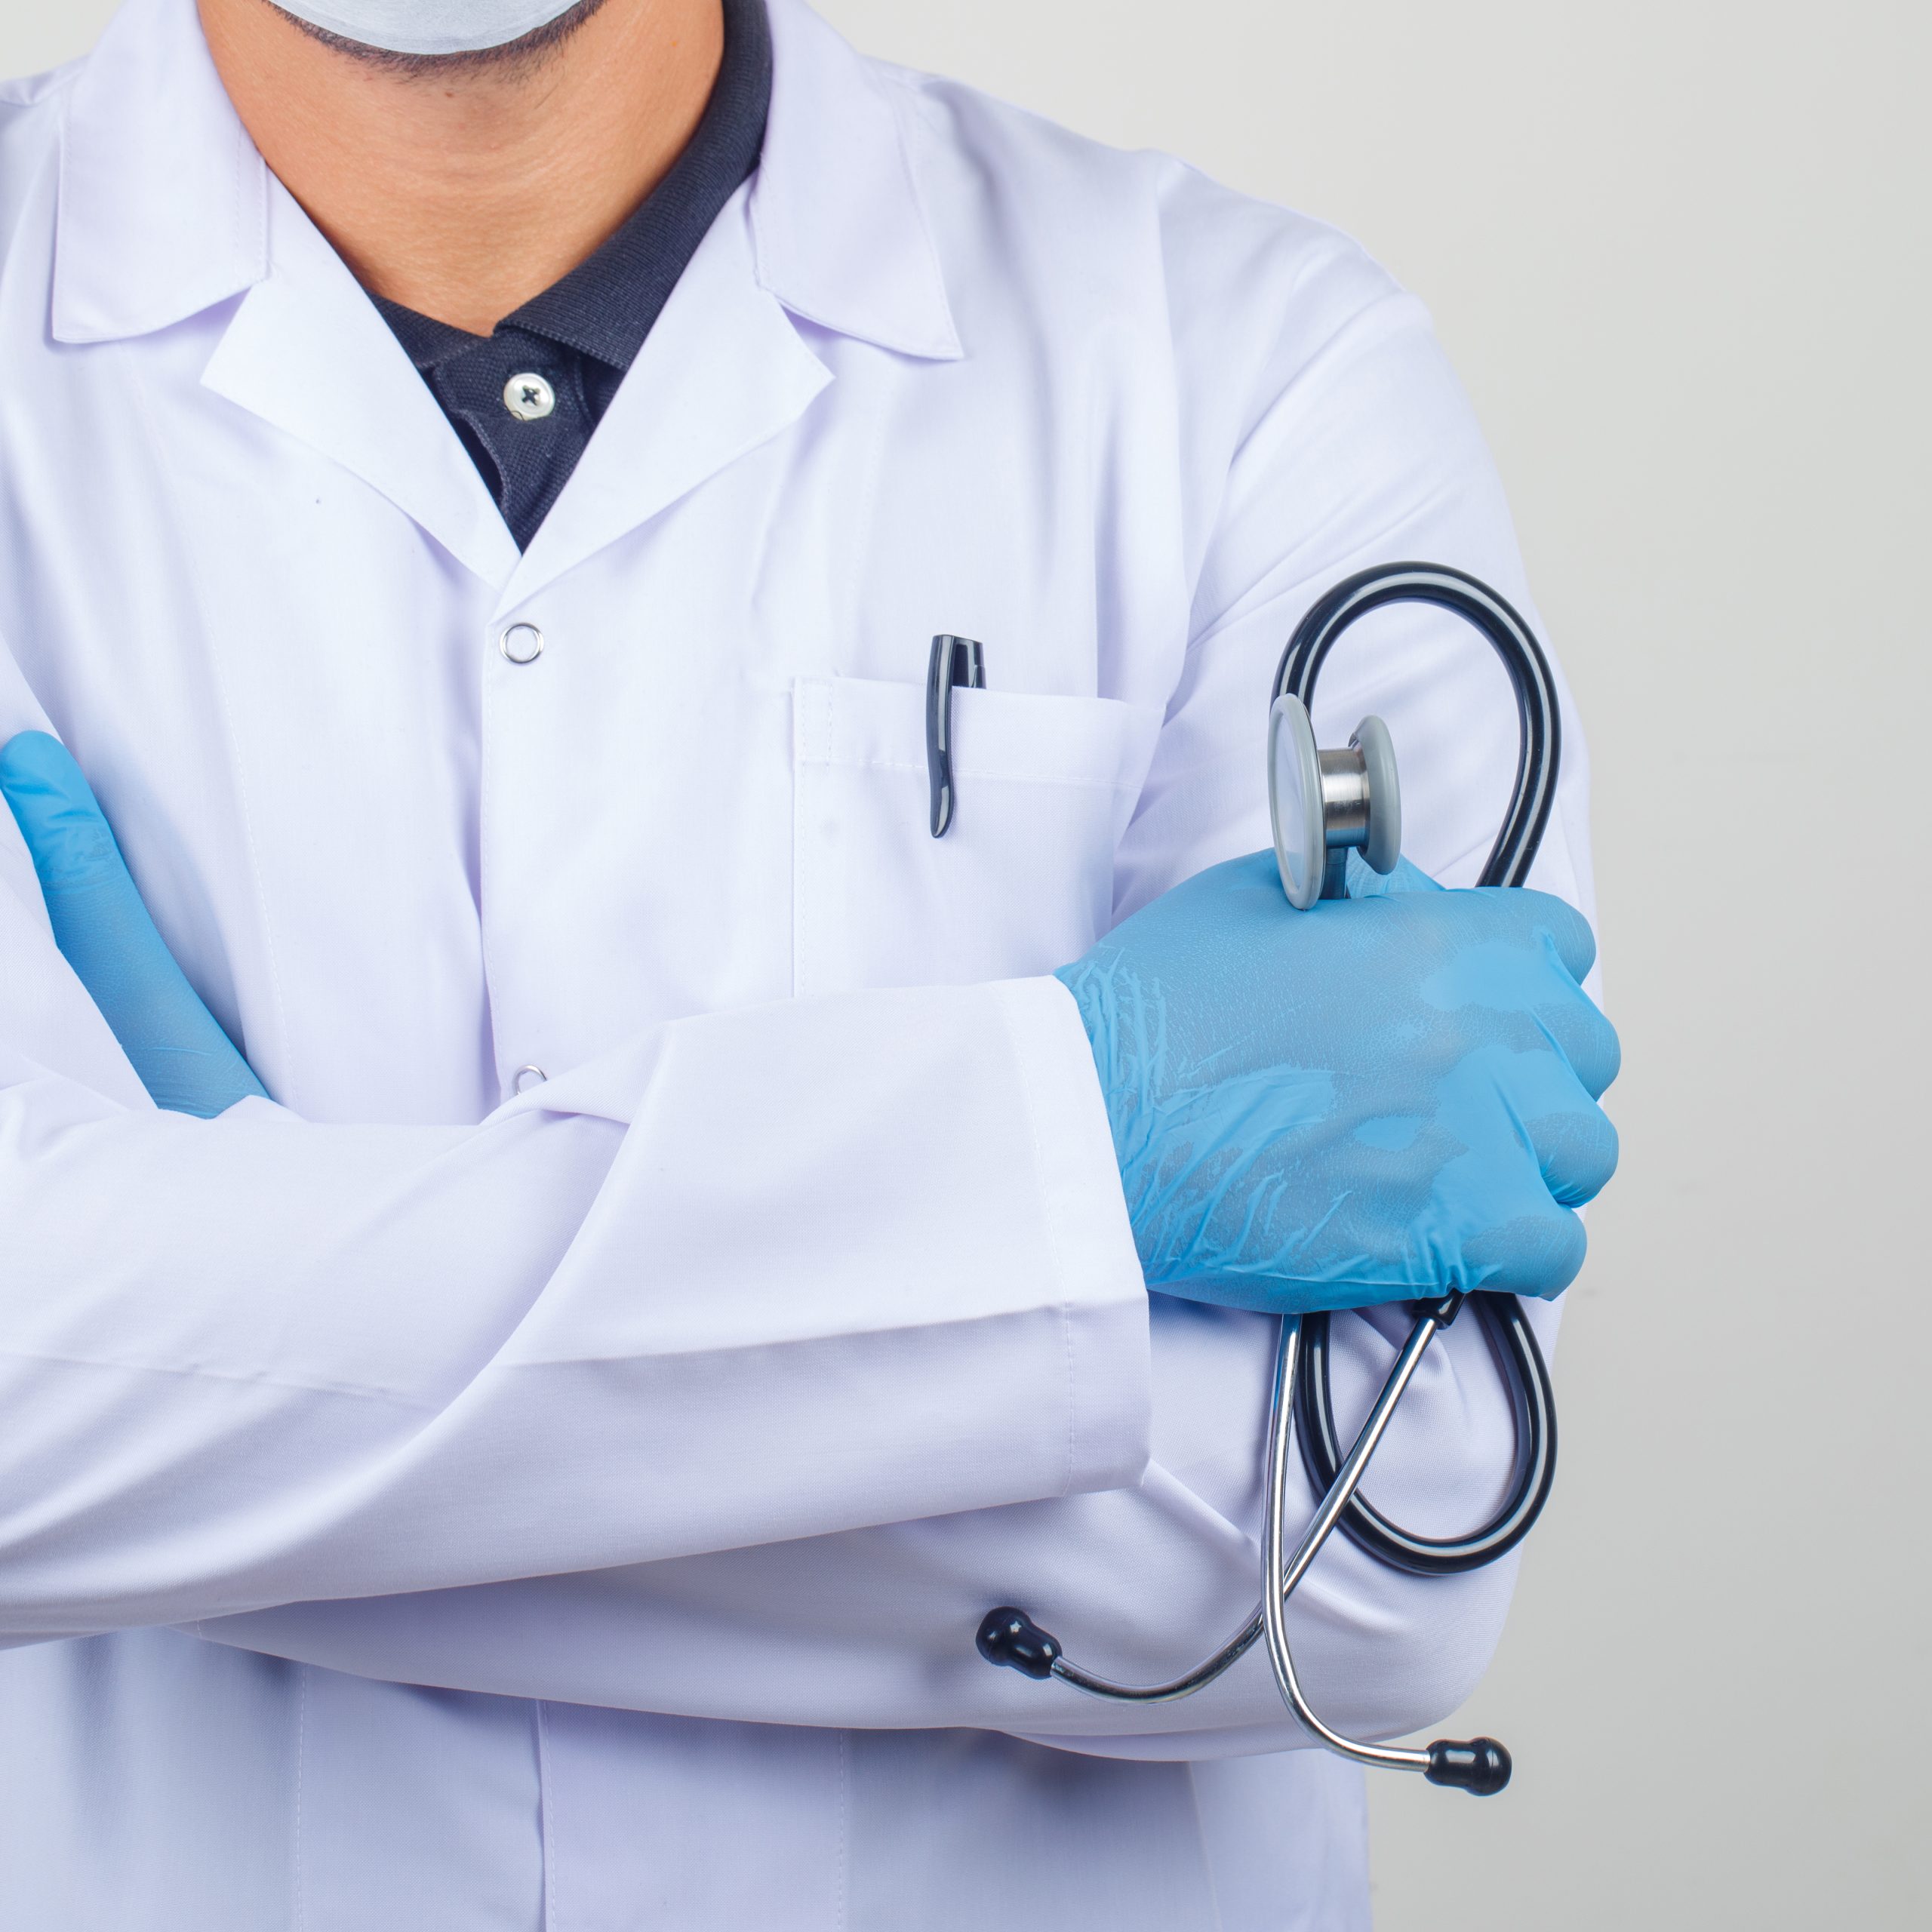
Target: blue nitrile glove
186, 1063
1379, 1098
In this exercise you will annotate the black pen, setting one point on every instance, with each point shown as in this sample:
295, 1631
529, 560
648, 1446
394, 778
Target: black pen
957, 662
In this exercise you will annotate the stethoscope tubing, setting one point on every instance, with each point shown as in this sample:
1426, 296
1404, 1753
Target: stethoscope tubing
1291, 1571
1539, 760
1524, 1373
1341, 1492
1302, 1402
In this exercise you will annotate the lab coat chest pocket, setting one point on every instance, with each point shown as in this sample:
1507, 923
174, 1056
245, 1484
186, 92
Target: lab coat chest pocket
1022, 880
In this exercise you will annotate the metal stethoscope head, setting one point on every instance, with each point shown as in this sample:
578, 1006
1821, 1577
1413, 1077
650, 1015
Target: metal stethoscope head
1323, 805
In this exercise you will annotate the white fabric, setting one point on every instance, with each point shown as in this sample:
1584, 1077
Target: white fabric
430, 26
419, 1505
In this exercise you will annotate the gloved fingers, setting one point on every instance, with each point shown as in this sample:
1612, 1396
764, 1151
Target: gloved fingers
1530, 914
1499, 1099
1524, 913
1531, 1144
1517, 952
1577, 1025
1538, 1253
52, 802
204, 1080
1577, 1152
185, 1061
1536, 1248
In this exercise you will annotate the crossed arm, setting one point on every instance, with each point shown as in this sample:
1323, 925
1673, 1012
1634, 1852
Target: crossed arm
871, 1626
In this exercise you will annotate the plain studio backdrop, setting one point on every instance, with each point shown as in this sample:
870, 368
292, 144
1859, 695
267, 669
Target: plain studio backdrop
1679, 251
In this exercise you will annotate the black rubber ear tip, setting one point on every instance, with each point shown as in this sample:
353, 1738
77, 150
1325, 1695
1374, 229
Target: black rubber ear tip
1481, 1767
1011, 1636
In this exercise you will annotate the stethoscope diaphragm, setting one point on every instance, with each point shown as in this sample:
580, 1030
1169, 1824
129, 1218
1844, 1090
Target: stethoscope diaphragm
1324, 805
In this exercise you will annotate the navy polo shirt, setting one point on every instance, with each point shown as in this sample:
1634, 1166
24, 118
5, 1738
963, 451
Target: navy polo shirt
525, 398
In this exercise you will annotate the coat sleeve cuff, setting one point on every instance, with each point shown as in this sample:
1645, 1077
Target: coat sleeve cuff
1110, 1376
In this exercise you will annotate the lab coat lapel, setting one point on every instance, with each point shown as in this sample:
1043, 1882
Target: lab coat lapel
166, 210
163, 199
829, 231
308, 352
722, 371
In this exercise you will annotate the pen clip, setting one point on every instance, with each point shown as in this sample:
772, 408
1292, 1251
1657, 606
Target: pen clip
957, 663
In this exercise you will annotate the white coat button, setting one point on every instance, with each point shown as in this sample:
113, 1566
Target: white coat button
522, 644
528, 1077
529, 398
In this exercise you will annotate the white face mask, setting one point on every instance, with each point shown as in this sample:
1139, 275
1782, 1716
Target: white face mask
427, 26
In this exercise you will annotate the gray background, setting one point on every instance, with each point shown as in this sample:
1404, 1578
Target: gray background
1679, 250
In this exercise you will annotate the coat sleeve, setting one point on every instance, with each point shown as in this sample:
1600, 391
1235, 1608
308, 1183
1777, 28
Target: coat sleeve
637, 1315
1337, 441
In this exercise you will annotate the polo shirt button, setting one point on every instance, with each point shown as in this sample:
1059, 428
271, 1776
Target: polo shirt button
522, 644
529, 398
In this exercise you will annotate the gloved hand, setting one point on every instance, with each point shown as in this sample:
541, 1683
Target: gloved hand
186, 1063
1378, 1099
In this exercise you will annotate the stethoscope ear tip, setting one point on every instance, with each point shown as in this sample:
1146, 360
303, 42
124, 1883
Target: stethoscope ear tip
1009, 1637
1481, 1767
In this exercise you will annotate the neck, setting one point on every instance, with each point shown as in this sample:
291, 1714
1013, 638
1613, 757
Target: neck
462, 188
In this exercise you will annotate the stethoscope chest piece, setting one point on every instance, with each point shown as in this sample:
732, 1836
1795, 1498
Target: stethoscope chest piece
1325, 804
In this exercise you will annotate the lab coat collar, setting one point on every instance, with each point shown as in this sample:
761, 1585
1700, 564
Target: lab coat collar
166, 209
163, 198
841, 236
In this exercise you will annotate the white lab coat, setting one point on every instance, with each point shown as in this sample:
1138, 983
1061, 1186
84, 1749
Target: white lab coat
423, 1504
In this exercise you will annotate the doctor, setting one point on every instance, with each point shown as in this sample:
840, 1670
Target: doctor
478, 483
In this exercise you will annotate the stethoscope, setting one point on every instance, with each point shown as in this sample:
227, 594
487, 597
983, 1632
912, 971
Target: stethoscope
1323, 804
